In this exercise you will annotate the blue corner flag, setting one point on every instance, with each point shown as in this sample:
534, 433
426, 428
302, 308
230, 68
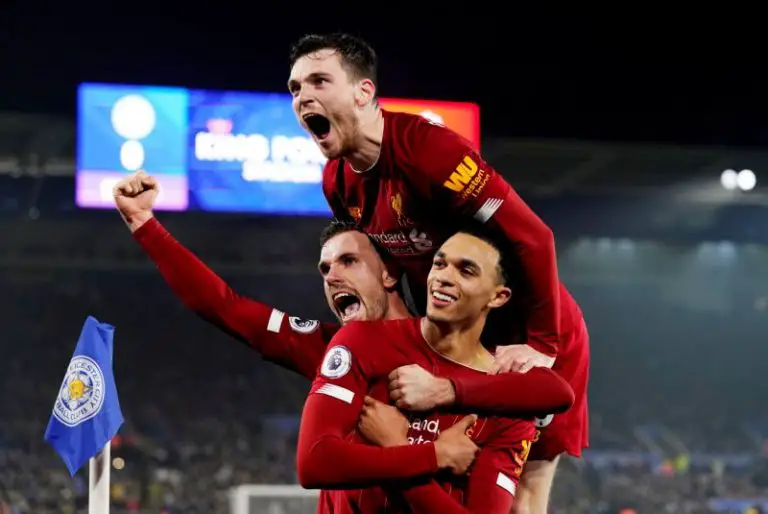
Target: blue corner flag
86, 414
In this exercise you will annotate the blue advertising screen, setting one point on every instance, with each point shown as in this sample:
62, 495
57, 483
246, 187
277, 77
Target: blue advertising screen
210, 150
215, 150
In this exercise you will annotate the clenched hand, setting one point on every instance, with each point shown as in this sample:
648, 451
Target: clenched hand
414, 388
135, 196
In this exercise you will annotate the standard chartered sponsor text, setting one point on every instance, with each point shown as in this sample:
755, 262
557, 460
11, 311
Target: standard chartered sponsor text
277, 159
418, 427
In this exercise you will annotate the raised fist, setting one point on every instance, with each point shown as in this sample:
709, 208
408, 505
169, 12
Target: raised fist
135, 196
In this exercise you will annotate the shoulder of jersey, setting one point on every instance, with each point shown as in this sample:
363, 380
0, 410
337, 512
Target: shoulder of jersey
376, 328
402, 116
399, 327
367, 326
356, 336
414, 322
406, 120
406, 130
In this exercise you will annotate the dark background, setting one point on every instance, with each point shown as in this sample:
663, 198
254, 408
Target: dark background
637, 73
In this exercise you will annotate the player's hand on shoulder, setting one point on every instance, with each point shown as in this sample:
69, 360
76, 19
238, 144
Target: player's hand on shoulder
414, 388
520, 358
135, 196
382, 424
454, 448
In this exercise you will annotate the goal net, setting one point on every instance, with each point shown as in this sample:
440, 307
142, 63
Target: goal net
272, 499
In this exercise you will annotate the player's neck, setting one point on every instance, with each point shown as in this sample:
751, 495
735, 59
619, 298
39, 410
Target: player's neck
368, 144
457, 342
396, 307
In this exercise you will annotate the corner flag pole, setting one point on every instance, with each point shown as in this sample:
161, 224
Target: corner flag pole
99, 474
98, 481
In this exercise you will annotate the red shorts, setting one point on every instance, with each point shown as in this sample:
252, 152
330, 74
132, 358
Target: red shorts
568, 432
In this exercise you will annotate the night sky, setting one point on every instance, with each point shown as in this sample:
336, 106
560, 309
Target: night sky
607, 76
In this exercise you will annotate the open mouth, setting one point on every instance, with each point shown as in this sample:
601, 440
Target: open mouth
440, 298
319, 125
347, 305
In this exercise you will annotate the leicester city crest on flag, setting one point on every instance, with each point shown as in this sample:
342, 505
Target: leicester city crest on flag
82, 393
86, 413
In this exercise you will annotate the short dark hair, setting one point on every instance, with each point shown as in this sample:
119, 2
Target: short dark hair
335, 227
507, 256
338, 226
357, 56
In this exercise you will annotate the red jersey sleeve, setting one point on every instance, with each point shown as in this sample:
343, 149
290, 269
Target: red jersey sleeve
540, 391
327, 457
473, 188
291, 342
495, 474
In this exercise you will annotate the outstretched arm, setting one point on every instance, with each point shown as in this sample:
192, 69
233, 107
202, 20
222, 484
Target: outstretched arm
294, 344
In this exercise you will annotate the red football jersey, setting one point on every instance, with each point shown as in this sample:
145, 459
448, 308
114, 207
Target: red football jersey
427, 183
332, 455
299, 344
